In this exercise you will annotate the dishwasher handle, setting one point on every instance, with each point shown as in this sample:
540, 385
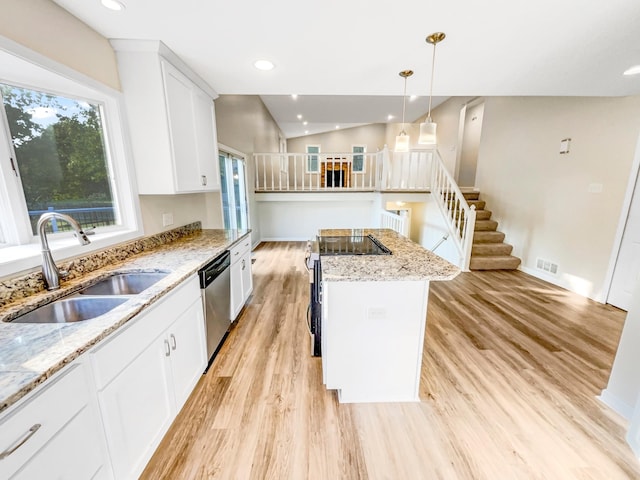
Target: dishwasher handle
213, 269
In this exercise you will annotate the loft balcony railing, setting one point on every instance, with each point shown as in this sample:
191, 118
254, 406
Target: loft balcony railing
330, 172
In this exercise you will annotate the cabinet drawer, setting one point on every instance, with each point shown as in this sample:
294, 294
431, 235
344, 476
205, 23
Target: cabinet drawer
240, 248
115, 353
40, 417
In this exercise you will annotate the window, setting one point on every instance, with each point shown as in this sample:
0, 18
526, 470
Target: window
60, 156
358, 160
62, 148
313, 161
233, 187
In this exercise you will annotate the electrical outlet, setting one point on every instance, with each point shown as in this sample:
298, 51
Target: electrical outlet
167, 219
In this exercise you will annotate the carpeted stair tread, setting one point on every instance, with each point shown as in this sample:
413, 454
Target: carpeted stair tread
471, 195
494, 262
488, 237
483, 214
478, 203
491, 249
486, 225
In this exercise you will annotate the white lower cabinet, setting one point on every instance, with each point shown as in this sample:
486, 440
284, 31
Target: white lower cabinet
241, 276
55, 432
139, 403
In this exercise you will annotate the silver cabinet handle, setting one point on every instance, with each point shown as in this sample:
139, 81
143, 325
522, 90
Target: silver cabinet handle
204, 180
167, 348
173, 341
27, 436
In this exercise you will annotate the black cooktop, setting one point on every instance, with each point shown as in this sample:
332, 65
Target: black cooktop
351, 245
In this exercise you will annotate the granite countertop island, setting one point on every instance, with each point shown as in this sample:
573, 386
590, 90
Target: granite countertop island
31, 353
408, 260
373, 321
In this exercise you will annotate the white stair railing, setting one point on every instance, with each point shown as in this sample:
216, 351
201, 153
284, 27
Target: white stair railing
398, 223
459, 216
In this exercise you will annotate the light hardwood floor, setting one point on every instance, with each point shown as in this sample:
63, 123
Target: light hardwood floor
511, 369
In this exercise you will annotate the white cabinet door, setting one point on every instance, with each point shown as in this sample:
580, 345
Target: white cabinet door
237, 299
179, 93
73, 453
207, 143
188, 352
247, 277
137, 409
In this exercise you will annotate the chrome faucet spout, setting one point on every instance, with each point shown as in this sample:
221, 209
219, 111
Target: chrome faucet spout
50, 271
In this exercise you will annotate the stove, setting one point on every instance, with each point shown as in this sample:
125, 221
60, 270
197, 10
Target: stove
351, 245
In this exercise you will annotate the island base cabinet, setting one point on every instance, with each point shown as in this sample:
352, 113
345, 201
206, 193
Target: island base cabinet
241, 276
372, 339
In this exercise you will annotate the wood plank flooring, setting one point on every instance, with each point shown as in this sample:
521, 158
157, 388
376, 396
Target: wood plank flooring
511, 369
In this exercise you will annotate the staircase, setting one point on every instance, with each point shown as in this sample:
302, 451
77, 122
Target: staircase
489, 252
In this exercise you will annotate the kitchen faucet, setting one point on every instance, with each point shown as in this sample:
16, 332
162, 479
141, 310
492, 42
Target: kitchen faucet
50, 271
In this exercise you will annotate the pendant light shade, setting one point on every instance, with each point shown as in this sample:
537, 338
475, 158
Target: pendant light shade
402, 140
428, 127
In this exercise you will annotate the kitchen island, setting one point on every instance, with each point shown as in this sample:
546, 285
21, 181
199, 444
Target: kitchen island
374, 310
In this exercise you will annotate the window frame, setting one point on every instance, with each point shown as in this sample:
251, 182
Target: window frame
229, 154
309, 156
353, 158
20, 251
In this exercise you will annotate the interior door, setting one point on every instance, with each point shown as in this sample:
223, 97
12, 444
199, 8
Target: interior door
627, 269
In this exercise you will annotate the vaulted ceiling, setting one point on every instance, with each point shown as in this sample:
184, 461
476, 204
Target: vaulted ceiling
355, 48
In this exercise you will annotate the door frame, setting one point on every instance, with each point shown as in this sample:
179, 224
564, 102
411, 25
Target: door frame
461, 122
622, 221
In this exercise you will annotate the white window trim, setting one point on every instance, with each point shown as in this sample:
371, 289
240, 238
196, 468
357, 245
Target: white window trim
236, 153
24, 67
307, 155
364, 159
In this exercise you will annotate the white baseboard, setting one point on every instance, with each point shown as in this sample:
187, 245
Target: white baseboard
558, 282
286, 239
616, 404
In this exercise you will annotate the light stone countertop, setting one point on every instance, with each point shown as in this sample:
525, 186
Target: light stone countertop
408, 260
31, 353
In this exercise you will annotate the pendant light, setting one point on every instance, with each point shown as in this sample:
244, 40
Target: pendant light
402, 140
428, 127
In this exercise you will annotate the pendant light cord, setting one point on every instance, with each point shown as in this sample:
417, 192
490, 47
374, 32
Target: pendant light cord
433, 66
404, 102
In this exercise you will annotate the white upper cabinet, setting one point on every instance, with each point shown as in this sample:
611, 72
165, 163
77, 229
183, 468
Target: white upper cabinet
171, 119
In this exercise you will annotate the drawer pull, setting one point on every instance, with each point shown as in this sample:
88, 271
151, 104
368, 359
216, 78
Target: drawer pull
167, 348
173, 341
28, 435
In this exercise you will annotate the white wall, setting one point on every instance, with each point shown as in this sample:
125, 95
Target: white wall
338, 141
46, 28
470, 145
245, 124
541, 198
187, 208
299, 216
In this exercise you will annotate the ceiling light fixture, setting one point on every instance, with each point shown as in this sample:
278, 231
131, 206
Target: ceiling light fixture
263, 65
305, 123
428, 127
306, 132
389, 117
299, 116
294, 96
635, 70
412, 98
337, 127
402, 139
114, 5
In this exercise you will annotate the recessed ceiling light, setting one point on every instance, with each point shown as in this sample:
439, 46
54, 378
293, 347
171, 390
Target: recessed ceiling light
299, 116
389, 117
337, 127
305, 123
412, 98
113, 5
306, 132
635, 70
294, 96
263, 65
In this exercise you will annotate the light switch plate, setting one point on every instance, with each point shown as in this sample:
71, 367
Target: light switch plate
167, 219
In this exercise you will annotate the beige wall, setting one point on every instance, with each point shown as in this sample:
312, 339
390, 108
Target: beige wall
46, 28
186, 208
245, 124
338, 141
541, 198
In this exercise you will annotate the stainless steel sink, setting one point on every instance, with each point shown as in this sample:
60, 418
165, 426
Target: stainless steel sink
73, 309
125, 283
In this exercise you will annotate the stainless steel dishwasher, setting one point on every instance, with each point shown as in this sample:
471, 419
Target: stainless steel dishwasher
215, 282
